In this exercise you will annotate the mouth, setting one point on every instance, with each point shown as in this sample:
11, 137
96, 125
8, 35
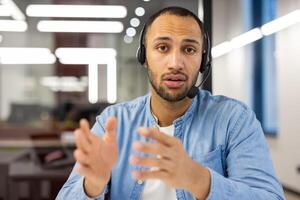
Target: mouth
174, 81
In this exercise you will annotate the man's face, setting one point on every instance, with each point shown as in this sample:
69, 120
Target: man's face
173, 52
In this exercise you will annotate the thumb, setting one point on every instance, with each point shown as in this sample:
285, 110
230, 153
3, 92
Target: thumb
84, 125
85, 128
110, 129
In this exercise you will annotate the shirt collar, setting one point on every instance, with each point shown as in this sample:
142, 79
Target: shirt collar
187, 114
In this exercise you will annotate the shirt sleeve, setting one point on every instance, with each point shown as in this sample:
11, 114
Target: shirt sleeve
73, 187
249, 170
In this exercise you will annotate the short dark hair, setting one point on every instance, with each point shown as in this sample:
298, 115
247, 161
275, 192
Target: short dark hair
173, 10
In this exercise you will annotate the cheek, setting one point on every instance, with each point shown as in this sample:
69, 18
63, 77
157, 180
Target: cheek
196, 63
155, 60
152, 73
193, 71
192, 64
155, 67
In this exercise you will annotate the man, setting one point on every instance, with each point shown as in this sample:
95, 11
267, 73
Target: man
168, 145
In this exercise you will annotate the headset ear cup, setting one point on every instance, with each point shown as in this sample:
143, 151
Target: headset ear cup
138, 52
141, 54
206, 56
203, 63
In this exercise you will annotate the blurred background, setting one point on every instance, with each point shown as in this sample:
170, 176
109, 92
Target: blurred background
62, 60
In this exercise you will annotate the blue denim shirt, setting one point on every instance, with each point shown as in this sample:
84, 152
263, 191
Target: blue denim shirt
219, 133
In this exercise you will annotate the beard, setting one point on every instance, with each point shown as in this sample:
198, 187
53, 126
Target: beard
163, 91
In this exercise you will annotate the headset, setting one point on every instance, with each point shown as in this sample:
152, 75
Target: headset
205, 66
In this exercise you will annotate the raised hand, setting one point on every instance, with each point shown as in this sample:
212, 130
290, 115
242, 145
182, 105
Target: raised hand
171, 163
96, 155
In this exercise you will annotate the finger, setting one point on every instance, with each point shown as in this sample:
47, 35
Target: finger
144, 175
81, 157
82, 141
85, 127
155, 149
157, 135
159, 163
110, 129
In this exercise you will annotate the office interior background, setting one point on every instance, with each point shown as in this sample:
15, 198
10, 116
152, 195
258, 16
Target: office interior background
60, 64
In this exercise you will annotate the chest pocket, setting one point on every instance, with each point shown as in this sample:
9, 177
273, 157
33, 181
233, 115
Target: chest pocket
212, 159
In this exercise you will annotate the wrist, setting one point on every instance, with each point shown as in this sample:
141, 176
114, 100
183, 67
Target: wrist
94, 188
200, 184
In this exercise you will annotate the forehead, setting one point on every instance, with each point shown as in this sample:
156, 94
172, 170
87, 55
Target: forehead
172, 26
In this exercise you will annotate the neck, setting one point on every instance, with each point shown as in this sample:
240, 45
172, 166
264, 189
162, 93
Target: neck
166, 111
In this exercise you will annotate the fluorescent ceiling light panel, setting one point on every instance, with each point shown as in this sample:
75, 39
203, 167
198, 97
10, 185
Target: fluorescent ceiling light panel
83, 56
64, 83
83, 52
93, 57
93, 83
246, 38
80, 26
11, 55
14, 10
255, 34
130, 32
139, 11
135, 22
221, 49
128, 39
16, 51
13, 26
112, 81
77, 11
49, 59
83, 61
4, 11
281, 23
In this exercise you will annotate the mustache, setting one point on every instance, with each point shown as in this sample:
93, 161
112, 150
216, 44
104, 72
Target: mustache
175, 73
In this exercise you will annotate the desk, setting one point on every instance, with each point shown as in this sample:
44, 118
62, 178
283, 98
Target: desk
14, 169
28, 171
7, 156
28, 143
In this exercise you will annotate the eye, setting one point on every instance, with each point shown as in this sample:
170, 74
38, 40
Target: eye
162, 48
190, 50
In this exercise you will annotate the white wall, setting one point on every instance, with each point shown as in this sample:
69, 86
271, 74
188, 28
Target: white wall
230, 72
285, 149
232, 77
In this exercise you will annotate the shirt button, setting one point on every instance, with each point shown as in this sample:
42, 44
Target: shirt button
140, 182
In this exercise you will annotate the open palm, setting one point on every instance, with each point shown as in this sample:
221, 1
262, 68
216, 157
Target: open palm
96, 155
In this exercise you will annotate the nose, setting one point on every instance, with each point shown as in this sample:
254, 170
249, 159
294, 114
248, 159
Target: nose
175, 60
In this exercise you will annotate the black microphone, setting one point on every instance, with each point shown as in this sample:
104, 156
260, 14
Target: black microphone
192, 92
195, 89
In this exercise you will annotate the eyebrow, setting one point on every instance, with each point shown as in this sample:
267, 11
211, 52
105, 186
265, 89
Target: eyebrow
185, 40
192, 41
